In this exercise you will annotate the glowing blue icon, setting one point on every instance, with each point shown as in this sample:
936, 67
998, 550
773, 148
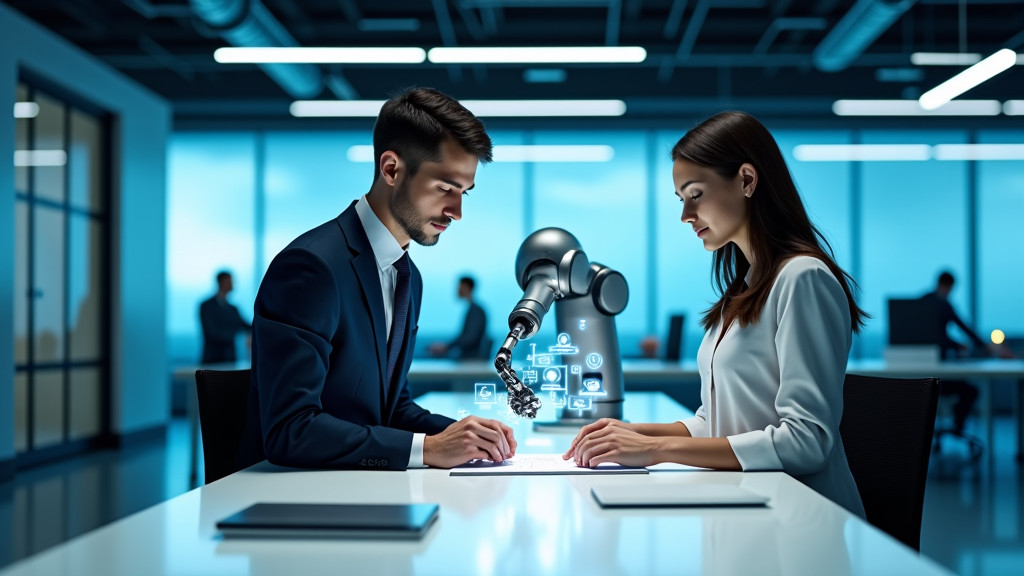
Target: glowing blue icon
583, 324
564, 345
529, 377
592, 387
580, 403
542, 359
575, 369
557, 400
552, 378
594, 360
484, 394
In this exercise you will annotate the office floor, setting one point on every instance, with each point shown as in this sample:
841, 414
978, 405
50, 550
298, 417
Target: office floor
973, 520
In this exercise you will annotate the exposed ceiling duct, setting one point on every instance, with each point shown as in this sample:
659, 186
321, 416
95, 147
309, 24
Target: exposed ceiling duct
248, 23
855, 31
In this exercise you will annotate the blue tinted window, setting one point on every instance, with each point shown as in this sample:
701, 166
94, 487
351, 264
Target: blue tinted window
308, 180
1000, 248
211, 184
913, 225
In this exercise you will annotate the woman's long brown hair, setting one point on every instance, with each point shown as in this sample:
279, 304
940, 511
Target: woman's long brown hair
779, 226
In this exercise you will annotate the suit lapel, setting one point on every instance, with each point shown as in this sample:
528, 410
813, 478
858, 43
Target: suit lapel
365, 266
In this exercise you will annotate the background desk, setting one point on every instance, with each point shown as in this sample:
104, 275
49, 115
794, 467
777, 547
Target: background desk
666, 375
497, 525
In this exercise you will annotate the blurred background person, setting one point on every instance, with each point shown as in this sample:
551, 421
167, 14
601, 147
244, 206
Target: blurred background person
221, 323
966, 393
471, 343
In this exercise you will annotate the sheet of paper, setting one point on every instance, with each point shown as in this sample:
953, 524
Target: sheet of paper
537, 464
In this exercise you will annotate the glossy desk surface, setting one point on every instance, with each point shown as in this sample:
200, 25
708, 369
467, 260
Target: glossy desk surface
534, 525
661, 371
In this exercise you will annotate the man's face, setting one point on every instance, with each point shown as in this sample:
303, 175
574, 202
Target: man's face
426, 203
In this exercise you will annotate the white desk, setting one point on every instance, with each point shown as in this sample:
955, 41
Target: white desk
493, 526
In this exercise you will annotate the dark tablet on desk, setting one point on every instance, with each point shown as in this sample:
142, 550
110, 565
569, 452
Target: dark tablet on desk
287, 520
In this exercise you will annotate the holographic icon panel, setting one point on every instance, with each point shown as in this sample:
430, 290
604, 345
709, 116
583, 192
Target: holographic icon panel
484, 394
552, 378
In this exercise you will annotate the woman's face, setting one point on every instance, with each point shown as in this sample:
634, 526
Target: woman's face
714, 206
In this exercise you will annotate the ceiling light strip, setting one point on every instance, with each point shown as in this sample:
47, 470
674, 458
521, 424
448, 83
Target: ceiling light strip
484, 108
26, 109
1013, 107
913, 108
40, 158
906, 152
862, 152
944, 58
964, 81
979, 151
325, 55
362, 153
538, 55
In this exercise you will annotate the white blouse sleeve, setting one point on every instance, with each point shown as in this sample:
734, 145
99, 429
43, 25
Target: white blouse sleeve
697, 424
813, 343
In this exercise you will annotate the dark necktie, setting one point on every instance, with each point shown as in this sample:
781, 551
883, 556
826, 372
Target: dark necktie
399, 317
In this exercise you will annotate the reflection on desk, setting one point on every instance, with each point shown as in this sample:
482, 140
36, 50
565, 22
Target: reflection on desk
498, 525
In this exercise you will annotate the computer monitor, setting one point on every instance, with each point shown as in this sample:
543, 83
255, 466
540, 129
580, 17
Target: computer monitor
914, 322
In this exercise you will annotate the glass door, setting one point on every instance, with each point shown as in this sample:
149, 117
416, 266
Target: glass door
62, 228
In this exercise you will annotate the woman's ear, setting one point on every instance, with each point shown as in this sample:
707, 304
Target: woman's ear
390, 166
748, 175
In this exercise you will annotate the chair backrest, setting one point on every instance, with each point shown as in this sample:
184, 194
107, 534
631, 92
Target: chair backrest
223, 397
674, 342
887, 432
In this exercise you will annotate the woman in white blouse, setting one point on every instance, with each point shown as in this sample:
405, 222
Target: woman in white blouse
774, 354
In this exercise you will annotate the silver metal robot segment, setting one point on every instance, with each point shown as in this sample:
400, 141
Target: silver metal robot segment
552, 267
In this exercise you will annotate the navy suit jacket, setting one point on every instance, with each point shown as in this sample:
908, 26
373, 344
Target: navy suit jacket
319, 354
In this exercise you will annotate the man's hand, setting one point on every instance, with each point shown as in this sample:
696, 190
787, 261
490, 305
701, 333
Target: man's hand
469, 438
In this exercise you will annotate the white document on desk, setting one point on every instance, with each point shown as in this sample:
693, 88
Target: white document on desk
537, 464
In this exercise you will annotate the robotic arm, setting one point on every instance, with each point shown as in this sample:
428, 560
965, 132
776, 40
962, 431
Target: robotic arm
551, 266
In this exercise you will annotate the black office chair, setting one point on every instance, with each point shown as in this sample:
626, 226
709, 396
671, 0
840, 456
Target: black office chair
887, 431
222, 396
674, 342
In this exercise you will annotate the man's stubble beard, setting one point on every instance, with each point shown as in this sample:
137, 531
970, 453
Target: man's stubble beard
405, 214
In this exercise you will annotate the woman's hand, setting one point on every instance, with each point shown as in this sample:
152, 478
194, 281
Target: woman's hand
617, 444
589, 428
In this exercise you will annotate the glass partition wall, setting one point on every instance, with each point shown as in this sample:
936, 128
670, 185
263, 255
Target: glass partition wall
61, 388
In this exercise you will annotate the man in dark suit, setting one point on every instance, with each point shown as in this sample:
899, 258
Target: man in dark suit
221, 322
335, 319
469, 344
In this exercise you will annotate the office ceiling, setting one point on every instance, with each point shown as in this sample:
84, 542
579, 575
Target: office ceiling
702, 54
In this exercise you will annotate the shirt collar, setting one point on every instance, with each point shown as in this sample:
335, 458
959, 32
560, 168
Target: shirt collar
386, 250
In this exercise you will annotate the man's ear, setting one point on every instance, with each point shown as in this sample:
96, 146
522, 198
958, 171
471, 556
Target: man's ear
390, 166
748, 175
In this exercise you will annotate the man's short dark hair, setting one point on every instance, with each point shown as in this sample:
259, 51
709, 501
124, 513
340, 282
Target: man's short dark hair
946, 279
468, 281
416, 122
222, 275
